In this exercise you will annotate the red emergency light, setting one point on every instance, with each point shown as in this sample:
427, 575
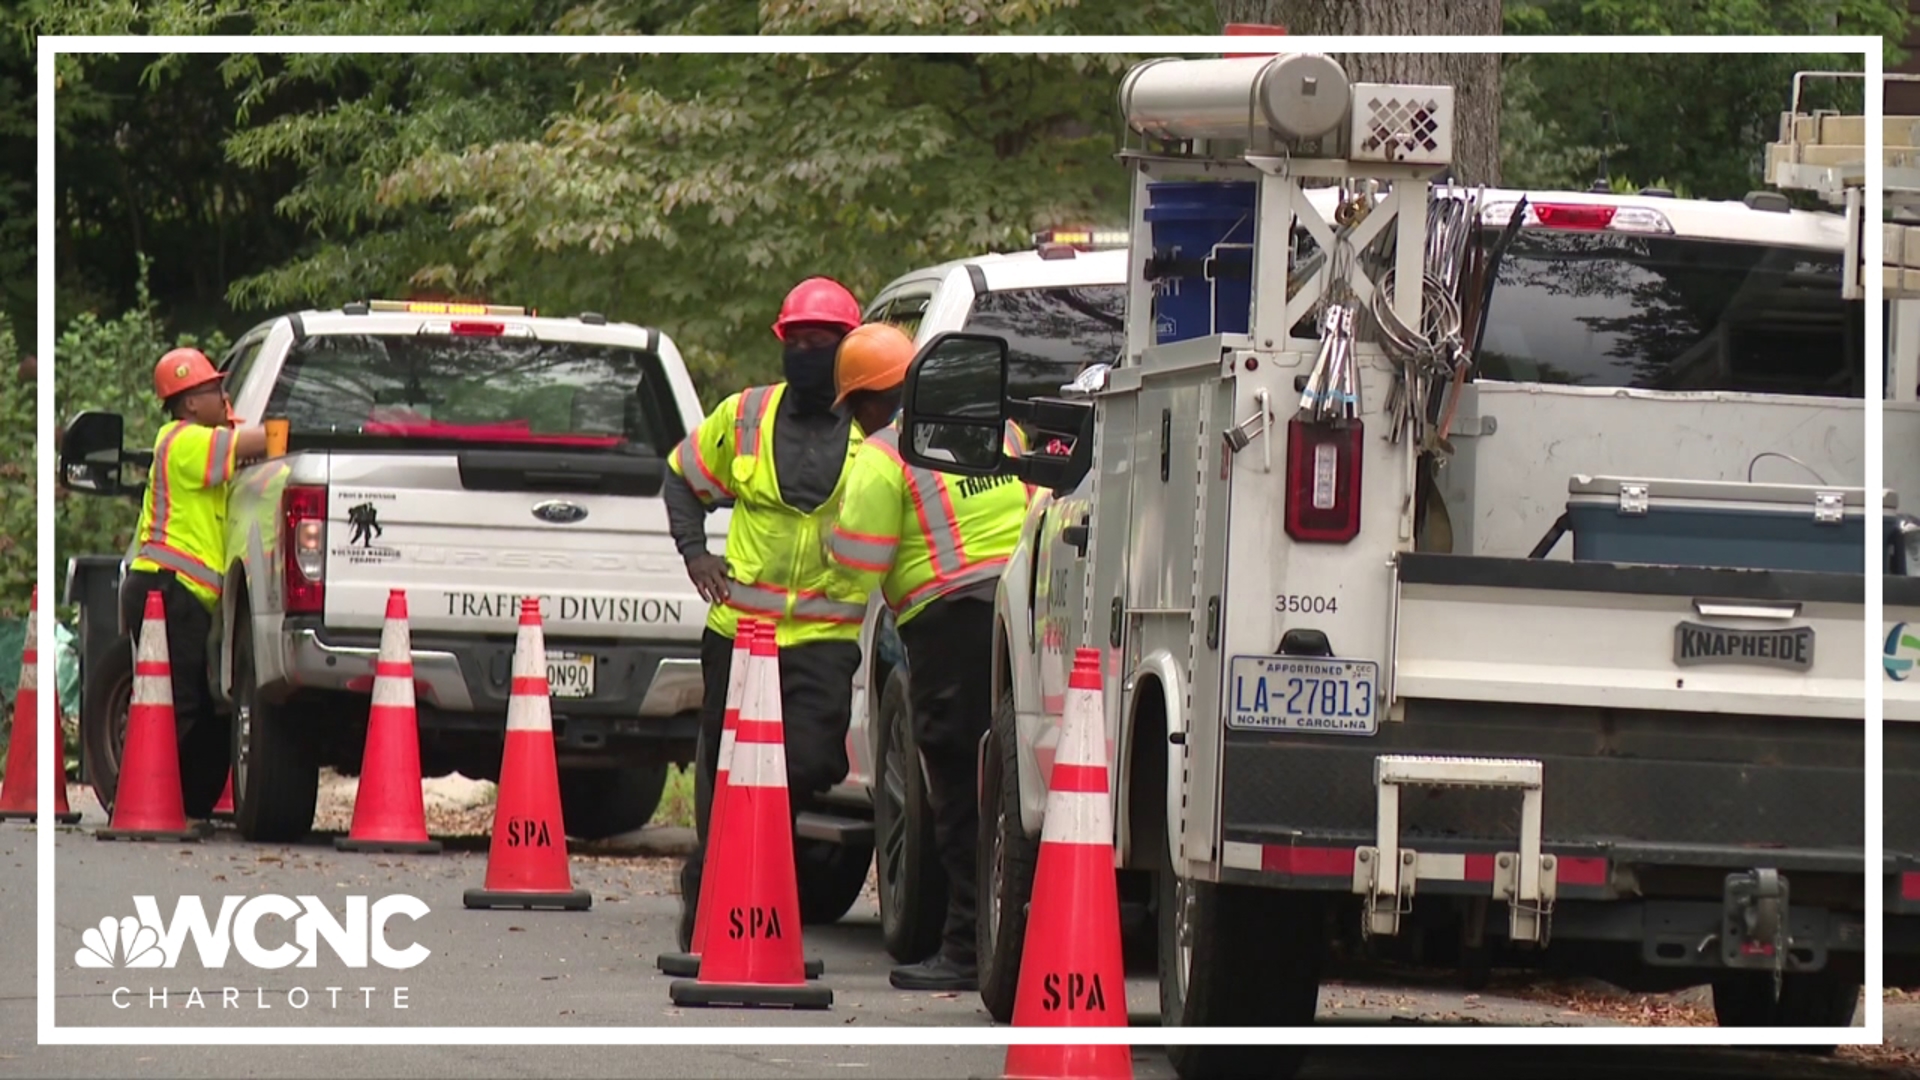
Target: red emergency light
1236, 29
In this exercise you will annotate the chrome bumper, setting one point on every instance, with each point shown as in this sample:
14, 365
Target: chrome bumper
310, 663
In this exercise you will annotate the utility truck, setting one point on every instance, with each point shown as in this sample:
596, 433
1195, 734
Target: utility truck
1444, 615
470, 454
1825, 152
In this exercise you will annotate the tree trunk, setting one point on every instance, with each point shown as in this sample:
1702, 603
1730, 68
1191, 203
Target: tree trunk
1475, 77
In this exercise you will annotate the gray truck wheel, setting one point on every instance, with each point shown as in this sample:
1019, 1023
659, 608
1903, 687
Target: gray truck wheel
1816, 999
913, 886
104, 706
276, 764
1236, 956
103, 717
598, 803
1008, 858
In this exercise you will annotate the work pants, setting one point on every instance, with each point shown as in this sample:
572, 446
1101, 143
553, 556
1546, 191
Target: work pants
206, 747
816, 704
949, 666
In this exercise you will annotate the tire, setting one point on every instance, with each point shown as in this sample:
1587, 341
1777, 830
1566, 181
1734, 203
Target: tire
913, 885
103, 717
598, 803
1816, 999
1236, 956
276, 764
105, 705
831, 877
1008, 858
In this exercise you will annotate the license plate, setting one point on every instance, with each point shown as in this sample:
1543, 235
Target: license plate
569, 675
1307, 694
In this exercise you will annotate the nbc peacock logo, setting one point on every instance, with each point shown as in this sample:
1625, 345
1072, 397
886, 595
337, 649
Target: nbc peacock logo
123, 942
1901, 649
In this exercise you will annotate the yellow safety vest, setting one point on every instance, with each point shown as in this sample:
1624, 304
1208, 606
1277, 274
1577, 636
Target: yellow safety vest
183, 516
922, 534
774, 552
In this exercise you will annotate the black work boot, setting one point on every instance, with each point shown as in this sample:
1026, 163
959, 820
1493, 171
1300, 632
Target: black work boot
937, 972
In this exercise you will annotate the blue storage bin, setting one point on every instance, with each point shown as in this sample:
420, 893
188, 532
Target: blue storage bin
1188, 221
1718, 523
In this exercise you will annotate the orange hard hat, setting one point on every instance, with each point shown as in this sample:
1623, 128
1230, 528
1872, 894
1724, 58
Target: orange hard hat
872, 357
182, 370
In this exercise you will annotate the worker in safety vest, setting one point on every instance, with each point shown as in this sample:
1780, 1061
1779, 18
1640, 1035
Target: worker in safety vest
778, 456
934, 546
181, 551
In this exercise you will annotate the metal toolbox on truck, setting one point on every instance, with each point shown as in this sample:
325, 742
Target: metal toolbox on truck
1720, 523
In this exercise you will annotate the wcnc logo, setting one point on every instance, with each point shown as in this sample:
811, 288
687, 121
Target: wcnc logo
148, 941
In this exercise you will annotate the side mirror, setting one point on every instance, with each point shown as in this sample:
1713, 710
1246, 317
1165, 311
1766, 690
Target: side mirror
93, 460
956, 418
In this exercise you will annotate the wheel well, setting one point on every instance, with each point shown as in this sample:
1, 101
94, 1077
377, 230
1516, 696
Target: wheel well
1147, 774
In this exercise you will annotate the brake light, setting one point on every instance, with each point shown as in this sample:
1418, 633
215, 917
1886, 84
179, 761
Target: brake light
305, 510
480, 329
1561, 216
1578, 217
1323, 481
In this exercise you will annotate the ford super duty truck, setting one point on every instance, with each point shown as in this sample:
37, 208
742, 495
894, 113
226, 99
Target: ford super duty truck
470, 455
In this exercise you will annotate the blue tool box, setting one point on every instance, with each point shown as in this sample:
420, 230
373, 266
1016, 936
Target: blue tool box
1722, 523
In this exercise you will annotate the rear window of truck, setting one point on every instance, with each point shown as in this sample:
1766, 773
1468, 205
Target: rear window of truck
500, 391
1667, 313
1053, 333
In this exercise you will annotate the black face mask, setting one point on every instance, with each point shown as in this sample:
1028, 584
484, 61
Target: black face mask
810, 377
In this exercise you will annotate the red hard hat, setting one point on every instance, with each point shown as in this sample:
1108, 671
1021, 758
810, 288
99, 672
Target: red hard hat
182, 370
818, 300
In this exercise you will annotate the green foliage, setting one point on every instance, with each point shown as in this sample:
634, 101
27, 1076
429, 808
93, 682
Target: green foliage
107, 365
18, 520
1701, 120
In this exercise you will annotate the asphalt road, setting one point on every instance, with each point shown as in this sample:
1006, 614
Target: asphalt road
596, 969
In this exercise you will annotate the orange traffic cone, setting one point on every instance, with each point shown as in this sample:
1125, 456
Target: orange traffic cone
527, 861
1071, 972
687, 964
147, 803
20, 792
752, 954
389, 812
223, 808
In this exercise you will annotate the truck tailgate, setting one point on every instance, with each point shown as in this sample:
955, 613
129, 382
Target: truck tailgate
604, 566
1633, 637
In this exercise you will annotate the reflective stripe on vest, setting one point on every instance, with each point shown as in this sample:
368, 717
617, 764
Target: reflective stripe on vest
770, 601
160, 480
939, 528
180, 563
761, 598
693, 469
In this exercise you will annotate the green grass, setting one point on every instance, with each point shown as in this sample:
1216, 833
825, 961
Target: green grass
676, 802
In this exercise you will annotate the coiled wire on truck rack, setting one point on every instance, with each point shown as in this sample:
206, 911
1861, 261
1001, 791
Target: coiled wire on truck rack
1432, 354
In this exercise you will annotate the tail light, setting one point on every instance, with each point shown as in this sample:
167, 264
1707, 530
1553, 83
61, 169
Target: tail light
1323, 481
479, 329
305, 510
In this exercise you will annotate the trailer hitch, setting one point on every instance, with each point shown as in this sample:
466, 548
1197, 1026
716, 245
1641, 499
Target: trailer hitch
1754, 933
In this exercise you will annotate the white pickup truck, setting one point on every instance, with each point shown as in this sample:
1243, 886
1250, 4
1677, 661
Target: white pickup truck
470, 455
1643, 762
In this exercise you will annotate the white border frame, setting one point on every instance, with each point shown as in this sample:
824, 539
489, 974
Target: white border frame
860, 1035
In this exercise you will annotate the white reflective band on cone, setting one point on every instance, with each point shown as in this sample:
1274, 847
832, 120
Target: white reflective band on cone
393, 691
1077, 817
529, 712
758, 765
